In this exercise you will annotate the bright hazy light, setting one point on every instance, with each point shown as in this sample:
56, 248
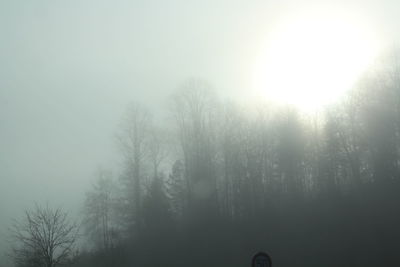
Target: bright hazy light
311, 60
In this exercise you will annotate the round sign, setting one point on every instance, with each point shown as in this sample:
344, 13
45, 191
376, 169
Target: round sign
261, 259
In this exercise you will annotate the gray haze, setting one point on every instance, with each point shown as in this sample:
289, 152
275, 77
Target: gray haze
68, 69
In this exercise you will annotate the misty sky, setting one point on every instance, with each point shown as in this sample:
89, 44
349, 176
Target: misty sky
68, 69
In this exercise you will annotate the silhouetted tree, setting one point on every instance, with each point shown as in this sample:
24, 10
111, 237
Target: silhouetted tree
177, 191
44, 237
157, 149
193, 110
132, 138
156, 207
99, 212
290, 150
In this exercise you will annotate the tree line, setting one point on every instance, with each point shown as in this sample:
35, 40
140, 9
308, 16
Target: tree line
212, 182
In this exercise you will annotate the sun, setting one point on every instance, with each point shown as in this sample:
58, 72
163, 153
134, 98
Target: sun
311, 60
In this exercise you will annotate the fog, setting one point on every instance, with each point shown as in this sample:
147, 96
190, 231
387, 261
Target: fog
71, 72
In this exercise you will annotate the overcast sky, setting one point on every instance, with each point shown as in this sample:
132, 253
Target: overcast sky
69, 68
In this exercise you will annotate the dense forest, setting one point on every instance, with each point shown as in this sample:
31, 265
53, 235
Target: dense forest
207, 182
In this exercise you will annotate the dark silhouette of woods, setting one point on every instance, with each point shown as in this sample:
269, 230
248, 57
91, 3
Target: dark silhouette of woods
319, 191
218, 182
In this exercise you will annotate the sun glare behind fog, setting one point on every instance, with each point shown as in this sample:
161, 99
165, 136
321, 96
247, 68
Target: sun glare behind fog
311, 60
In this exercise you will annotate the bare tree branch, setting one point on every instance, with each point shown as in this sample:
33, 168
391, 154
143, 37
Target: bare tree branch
44, 237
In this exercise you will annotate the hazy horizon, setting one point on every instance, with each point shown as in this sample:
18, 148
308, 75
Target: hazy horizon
69, 69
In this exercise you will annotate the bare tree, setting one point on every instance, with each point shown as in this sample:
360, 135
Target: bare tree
193, 108
44, 237
132, 140
157, 149
99, 203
